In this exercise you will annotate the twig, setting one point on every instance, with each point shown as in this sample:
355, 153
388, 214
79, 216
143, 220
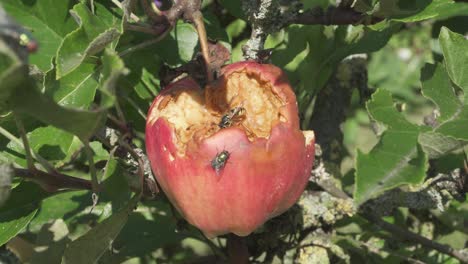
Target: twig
137, 108
324, 179
92, 168
131, 156
91, 4
120, 113
24, 138
156, 8
403, 234
141, 165
202, 238
371, 248
132, 16
55, 180
122, 126
408, 235
142, 28
144, 44
74, 156
238, 252
334, 16
150, 12
345, 3
435, 193
190, 10
39, 158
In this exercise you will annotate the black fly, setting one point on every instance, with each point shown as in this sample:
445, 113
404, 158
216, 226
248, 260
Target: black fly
219, 161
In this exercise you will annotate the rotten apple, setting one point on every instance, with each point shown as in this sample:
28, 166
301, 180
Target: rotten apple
230, 156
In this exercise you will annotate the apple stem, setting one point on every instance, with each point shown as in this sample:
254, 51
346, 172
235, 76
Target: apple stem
238, 252
197, 19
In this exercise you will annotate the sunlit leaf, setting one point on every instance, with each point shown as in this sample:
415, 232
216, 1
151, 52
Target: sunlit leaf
12, 73
455, 50
397, 159
19, 210
95, 32
96, 241
436, 9
437, 87
48, 20
82, 123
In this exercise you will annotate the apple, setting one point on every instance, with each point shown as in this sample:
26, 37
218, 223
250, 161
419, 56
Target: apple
230, 156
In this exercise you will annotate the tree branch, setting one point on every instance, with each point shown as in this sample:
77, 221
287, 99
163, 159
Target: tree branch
132, 157
434, 194
333, 16
372, 214
265, 17
373, 209
268, 16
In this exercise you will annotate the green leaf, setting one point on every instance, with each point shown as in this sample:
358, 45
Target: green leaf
455, 121
214, 29
358, 39
143, 66
29, 100
456, 127
235, 28
382, 109
310, 54
12, 73
99, 239
113, 69
455, 239
52, 143
396, 160
61, 206
437, 145
397, 66
52, 240
19, 210
150, 228
95, 32
314, 3
99, 152
455, 49
115, 184
234, 7
49, 22
81, 123
180, 46
437, 87
77, 89
437, 9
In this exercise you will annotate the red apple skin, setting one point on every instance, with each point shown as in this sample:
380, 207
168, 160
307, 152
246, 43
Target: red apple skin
261, 179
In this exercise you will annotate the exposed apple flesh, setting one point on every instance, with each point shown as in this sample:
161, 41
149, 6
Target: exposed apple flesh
269, 159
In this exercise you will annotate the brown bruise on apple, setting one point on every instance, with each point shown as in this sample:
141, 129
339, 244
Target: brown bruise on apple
194, 114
